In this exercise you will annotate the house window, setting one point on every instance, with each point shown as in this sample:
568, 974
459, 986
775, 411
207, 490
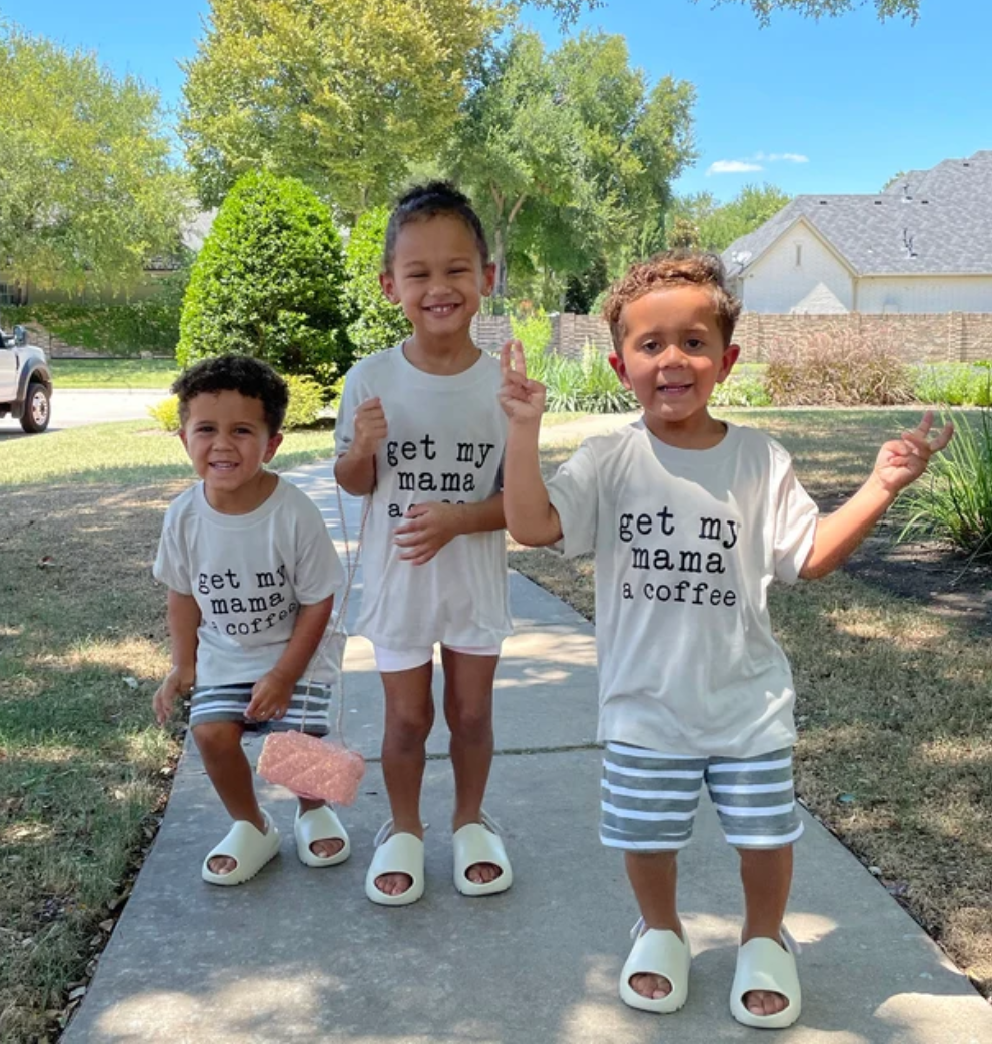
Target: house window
799, 255
7, 294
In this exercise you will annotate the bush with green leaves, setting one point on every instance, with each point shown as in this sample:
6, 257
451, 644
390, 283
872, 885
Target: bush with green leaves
741, 391
375, 323
306, 400
587, 384
269, 282
839, 369
954, 500
533, 331
954, 384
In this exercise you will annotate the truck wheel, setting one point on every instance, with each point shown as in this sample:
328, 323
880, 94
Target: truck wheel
36, 408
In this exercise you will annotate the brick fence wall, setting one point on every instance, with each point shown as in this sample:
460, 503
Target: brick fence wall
945, 337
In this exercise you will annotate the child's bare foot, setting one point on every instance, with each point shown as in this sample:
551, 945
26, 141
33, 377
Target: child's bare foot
764, 1002
396, 883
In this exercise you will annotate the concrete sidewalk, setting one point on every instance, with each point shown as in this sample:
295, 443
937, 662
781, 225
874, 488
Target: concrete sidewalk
302, 955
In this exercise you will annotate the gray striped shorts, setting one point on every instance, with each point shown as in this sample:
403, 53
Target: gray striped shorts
229, 703
649, 800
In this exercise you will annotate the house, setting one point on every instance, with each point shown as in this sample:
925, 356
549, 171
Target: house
923, 245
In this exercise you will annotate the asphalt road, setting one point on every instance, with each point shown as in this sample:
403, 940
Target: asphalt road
72, 409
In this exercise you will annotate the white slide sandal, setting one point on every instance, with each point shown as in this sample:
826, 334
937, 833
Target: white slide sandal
320, 824
248, 847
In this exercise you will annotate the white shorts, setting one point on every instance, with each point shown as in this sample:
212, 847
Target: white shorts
389, 660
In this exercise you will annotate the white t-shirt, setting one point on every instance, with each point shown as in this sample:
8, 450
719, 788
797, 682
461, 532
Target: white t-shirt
687, 543
249, 575
447, 436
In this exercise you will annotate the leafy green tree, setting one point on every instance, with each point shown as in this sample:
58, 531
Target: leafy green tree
700, 221
377, 324
564, 153
87, 191
269, 282
821, 8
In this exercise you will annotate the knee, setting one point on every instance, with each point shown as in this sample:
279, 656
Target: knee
409, 730
217, 739
469, 724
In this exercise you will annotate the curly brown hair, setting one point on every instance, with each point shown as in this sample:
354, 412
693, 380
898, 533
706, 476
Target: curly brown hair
673, 268
250, 377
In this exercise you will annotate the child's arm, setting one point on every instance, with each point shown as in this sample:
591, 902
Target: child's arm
271, 694
899, 463
355, 469
531, 518
184, 619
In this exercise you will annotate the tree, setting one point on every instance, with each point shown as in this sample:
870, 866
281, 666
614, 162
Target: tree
377, 323
699, 221
87, 191
829, 8
566, 152
268, 282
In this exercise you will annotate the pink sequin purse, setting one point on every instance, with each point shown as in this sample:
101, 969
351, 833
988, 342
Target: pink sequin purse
309, 766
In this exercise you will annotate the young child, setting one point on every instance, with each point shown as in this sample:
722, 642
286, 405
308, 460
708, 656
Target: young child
251, 573
421, 434
690, 520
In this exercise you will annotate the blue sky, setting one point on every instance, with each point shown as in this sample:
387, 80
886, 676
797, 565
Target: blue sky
835, 106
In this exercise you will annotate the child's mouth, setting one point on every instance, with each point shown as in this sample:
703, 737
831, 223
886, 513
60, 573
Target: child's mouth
441, 310
674, 389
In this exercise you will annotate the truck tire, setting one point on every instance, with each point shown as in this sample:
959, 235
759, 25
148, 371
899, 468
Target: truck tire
37, 410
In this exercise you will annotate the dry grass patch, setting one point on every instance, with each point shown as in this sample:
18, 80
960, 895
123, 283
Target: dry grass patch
895, 748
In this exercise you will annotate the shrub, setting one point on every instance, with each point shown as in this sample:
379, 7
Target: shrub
741, 391
269, 282
956, 502
839, 370
306, 400
953, 384
375, 323
166, 413
587, 384
533, 331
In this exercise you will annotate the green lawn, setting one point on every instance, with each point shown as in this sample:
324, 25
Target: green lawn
84, 772
114, 373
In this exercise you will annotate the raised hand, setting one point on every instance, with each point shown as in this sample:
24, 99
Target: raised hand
904, 460
427, 528
522, 399
370, 427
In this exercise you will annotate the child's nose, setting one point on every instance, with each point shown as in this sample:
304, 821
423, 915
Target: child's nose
672, 355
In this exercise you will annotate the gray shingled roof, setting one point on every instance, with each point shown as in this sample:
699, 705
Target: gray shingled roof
930, 222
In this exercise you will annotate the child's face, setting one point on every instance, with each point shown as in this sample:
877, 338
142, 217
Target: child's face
437, 276
228, 441
673, 355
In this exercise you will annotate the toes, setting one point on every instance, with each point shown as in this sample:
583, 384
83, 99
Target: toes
393, 884
221, 865
654, 987
327, 847
761, 1002
483, 873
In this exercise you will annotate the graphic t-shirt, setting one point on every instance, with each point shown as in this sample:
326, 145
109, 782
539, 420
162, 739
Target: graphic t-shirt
446, 440
687, 543
249, 575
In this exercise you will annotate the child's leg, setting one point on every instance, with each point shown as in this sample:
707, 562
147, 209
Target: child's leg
219, 743
654, 878
767, 877
409, 717
468, 711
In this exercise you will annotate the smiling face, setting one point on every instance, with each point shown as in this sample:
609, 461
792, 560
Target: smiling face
672, 356
438, 277
228, 441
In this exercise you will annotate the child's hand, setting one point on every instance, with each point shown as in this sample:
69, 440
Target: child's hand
431, 525
178, 682
270, 698
522, 400
904, 460
370, 427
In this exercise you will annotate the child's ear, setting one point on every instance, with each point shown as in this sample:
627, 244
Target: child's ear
275, 441
730, 356
616, 361
388, 284
488, 278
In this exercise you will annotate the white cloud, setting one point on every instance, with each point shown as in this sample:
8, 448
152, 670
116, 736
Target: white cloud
778, 157
732, 167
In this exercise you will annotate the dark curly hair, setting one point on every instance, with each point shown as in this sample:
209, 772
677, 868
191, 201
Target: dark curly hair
435, 199
674, 268
253, 378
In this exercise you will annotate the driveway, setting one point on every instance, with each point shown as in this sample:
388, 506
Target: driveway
74, 408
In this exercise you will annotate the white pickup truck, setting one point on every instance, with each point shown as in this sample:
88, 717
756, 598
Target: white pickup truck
25, 381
